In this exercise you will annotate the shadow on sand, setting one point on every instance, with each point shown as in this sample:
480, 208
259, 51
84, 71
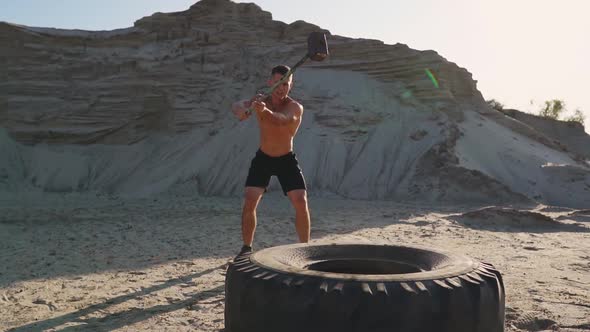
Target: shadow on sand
120, 319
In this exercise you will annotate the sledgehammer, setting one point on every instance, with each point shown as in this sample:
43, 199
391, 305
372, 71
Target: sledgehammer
317, 50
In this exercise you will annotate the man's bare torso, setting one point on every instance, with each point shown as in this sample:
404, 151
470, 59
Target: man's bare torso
277, 140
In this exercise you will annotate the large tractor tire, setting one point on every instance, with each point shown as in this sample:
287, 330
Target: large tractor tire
361, 288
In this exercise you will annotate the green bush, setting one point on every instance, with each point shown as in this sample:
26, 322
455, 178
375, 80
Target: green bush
493, 103
577, 117
554, 109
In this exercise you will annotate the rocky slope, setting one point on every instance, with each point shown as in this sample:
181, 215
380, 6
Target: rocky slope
570, 135
142, 110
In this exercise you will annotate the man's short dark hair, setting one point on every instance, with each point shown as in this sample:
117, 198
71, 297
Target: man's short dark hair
280, 69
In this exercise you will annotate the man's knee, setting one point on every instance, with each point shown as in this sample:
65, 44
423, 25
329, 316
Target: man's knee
298, 198
250, 203
251, 199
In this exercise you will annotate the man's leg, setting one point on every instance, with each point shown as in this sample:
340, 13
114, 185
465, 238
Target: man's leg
298, 198
251, 199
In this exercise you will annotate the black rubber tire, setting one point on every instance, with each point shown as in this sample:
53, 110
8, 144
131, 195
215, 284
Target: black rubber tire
276, 290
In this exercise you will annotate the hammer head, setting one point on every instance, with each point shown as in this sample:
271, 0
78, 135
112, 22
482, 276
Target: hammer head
317, 46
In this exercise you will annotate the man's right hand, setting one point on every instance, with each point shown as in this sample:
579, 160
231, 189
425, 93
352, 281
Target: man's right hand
240, 109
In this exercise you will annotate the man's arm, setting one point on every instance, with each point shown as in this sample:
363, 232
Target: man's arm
292, 114
239, 109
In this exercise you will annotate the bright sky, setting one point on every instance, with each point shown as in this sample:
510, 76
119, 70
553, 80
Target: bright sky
518, 50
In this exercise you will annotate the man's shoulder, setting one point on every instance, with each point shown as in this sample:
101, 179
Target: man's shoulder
295, 103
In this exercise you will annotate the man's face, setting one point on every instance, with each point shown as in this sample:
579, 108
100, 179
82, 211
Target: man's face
283, 89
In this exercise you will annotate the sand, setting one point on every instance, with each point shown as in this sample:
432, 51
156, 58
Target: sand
74, 262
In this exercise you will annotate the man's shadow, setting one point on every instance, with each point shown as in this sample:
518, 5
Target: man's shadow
120, 319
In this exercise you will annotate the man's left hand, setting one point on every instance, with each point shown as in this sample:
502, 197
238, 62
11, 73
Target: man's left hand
258, 106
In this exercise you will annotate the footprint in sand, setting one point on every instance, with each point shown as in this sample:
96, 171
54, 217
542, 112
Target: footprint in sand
530, 322
47, 303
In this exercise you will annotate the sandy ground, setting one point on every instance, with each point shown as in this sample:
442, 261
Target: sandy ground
70, 263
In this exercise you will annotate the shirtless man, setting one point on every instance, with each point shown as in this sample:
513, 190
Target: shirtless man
278, 117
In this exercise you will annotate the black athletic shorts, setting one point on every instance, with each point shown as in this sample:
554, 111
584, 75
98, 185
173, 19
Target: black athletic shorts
285, 168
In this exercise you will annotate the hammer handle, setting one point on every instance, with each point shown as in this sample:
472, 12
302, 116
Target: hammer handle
279, 82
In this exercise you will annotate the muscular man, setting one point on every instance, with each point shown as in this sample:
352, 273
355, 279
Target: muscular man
278, 117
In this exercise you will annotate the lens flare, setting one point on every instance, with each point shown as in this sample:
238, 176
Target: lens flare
431, 76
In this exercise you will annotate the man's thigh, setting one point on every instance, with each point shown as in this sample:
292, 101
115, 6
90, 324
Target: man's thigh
259, 174
292, 180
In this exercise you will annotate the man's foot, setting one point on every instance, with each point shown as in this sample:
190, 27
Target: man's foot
245, 251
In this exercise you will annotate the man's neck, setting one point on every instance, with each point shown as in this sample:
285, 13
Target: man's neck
277, 102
